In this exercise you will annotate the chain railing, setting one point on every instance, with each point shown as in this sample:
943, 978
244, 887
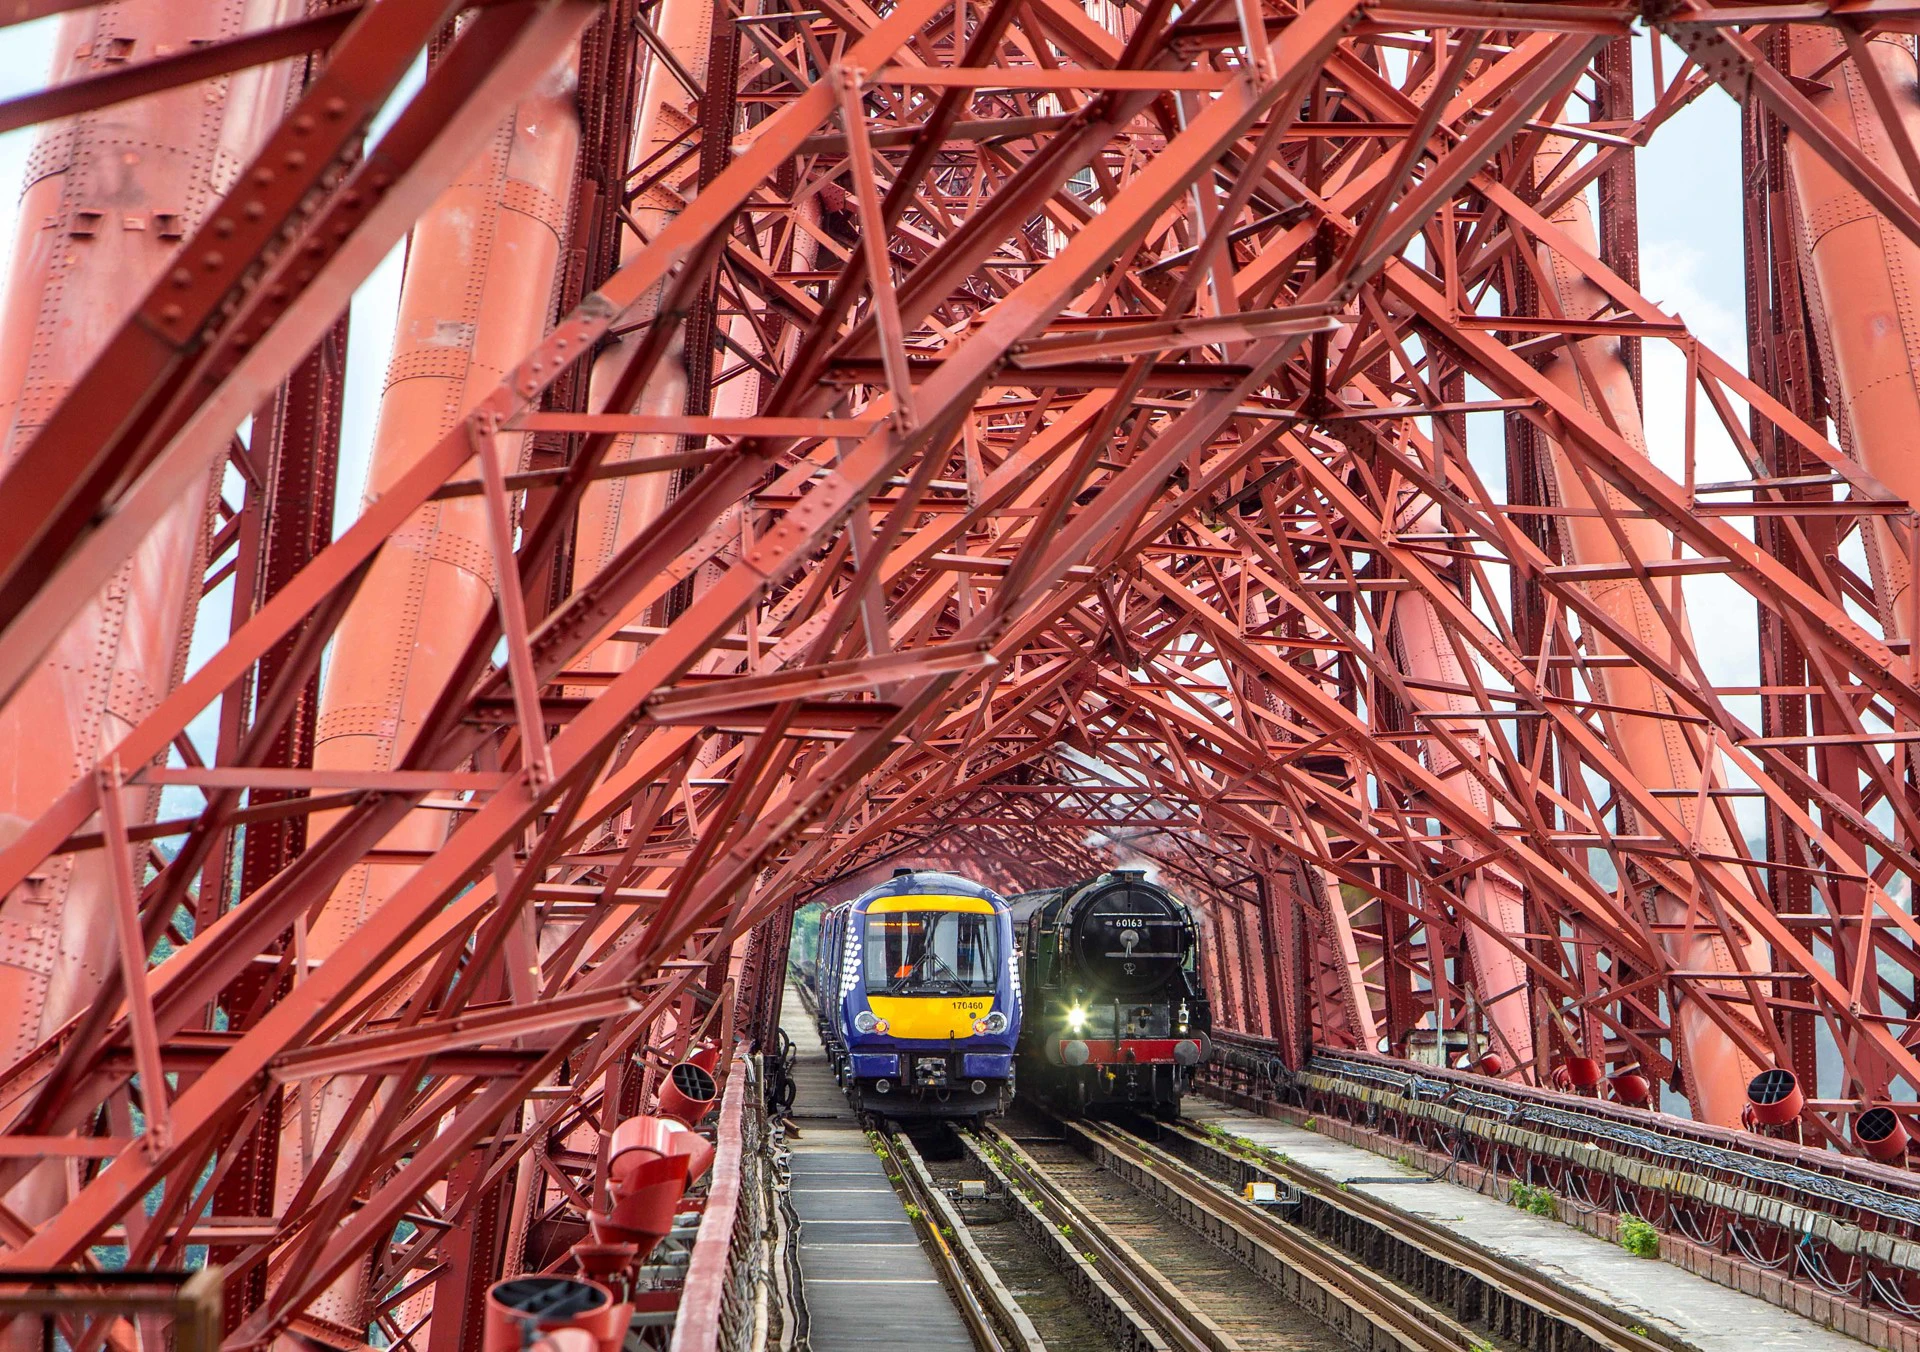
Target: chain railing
1750, 1207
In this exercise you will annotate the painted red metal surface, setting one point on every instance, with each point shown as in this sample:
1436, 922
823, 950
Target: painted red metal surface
1124, 1052
715, 1261
1015, 436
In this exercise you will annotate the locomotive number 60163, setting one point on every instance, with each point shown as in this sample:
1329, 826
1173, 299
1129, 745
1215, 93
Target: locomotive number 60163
1117, 1017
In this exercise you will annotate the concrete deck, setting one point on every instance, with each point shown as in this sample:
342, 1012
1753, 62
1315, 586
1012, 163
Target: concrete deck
868, 1283
1693, 1310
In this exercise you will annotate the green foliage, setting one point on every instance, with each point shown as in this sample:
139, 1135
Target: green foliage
1311, 1123
803, 950
1638, 1238
913, 1212
946, 1231
1066, 1231
1241, 1146
1404, 1160
1539, 1201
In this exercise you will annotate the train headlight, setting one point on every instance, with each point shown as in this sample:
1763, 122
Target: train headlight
1076, 1018
866, 1021
995, 1022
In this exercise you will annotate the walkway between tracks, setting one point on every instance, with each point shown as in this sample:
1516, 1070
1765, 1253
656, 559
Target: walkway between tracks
868, 1283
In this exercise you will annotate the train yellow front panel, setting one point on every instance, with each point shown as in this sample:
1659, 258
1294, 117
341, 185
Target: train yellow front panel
933, 1018
928, 901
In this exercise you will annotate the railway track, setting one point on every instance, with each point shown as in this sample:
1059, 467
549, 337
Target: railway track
1119, 1214
1567, 1322
1296, 1294
993, 1318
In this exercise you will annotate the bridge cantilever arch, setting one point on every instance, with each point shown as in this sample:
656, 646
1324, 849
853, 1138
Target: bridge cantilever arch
1022, 437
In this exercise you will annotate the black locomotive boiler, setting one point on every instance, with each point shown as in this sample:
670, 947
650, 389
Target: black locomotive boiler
1115, 1016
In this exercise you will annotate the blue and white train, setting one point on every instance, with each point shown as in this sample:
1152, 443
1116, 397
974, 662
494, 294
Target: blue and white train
918, 992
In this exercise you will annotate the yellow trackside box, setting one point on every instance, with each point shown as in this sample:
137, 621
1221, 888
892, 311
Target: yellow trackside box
1266, 1193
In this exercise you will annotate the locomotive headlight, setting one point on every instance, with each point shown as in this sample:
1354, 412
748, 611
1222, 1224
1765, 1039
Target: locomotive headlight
995, 1022
1076, 1017
866, 1021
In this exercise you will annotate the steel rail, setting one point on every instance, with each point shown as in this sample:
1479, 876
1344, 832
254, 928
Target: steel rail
1355, 1285
1010, 1322
1146, 1289
910, 1179
1365, 1290
1605, 1327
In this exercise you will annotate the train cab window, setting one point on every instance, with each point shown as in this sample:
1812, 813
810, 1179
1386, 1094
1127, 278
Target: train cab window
931, 953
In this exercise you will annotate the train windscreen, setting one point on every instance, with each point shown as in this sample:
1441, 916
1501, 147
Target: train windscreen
931, 953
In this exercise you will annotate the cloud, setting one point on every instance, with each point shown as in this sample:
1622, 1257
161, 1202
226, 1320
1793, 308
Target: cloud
1681, 277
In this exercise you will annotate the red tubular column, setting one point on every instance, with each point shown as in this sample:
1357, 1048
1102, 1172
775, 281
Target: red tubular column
109, 196
1658, 750
1860, 274
478, 294
614, 511
1863, 274
1422, 651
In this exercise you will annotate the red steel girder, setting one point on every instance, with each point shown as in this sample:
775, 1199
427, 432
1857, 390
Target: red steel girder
1075, 430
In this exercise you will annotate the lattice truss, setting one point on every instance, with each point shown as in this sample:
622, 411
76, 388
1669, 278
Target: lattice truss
1056, 421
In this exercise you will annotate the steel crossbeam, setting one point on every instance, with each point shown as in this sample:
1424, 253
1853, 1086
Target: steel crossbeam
1018, 437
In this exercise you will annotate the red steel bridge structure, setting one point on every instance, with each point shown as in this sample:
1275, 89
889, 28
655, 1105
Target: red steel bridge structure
1024, 435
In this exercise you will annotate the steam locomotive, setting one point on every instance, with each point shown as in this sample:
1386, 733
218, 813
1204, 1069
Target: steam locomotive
1116, 1015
